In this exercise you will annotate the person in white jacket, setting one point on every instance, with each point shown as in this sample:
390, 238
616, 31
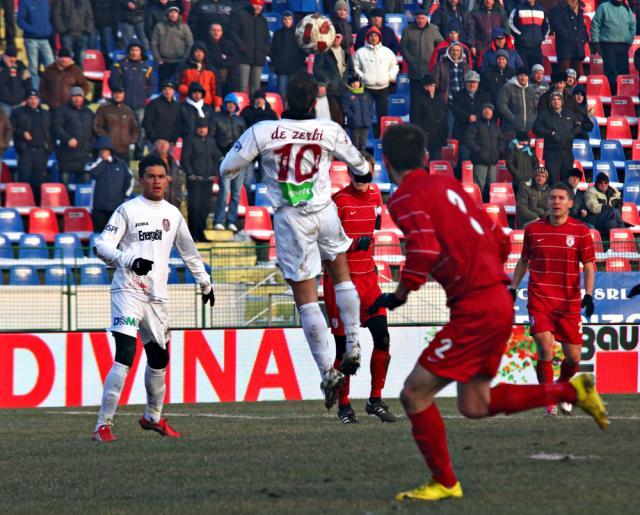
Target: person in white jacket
377, 66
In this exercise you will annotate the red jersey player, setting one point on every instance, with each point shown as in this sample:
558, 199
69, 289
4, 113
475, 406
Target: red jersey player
359, 207
553, 249
451, 239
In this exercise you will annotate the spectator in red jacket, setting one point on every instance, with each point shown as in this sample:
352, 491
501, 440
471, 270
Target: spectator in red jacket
195, 70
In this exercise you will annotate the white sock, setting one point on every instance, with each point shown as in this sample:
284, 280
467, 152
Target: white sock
315, 330
155, 385
113, 385
348, 303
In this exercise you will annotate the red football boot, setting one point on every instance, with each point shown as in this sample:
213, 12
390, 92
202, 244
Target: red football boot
103, 434
161, 427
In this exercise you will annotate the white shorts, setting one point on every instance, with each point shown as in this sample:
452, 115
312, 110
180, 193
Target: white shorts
303, 241
131, 315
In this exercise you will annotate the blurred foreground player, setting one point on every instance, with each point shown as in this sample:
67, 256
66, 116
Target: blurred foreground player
296, 156
138, 241
553, 249
359, 208
451, 239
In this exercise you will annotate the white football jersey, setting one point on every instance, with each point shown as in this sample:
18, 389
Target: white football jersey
296, 157
143, 228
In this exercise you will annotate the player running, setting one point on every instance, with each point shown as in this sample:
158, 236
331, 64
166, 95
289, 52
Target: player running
553, 249
359, 208
138, 241
296, 156
451, 239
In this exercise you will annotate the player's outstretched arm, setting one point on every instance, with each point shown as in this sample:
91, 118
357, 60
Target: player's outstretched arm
243, 152
191, 257
106, 247
391, 301
589, 284
347, 152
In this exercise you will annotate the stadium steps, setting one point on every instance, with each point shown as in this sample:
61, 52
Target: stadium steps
240, 275
216, 236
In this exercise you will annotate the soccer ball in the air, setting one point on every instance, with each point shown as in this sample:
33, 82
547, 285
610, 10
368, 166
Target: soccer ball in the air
315, 33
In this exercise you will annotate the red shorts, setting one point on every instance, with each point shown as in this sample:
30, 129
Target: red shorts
368, 291
474, 340
566, 327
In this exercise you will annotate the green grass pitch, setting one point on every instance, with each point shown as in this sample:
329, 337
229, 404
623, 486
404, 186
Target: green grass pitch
294, 457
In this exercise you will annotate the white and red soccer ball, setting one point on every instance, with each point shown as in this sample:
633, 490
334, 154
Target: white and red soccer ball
315, 33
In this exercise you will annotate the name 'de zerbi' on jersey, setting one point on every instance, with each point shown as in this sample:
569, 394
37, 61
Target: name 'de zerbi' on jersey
296, 156
143, 228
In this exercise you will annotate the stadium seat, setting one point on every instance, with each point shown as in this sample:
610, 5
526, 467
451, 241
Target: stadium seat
467, 172
94, 275
618, 129
632, 172
623, 106
388, 121
516, 238
622, 240
598, 86
11, 223
20, 196
611, 150
43, 221
397, 22
629, 86
243, 201
539, 148
23, 276
276, 103
58, 276
32, 246
595, 136
583, 152
635, 150
339, 172
77, 220
501, 193
384, 272
441, 168
6, 252
598, 110
189, 277
497, 213
92, 244
272, 249
630, 215
403, 84
449, 154
596, 64
106, 88
257, 223
598, 247
67, 246
502, 172
387, 247
381, 177
176, 150
83, 196
55, 196
243, 100
261, 198
173, 278
274, 20
548, 48
387, 224
617, 265
398, 105
279, 6
473, 190
10, 158
93, 64
606, 167
631, 193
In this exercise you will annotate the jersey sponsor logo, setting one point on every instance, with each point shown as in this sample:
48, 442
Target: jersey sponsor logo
571, 241
111, 228
141, 224
130, 321
237, 146
166, 224
335, 322
150, 235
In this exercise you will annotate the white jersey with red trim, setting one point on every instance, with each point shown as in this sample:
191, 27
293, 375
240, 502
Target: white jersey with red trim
296, 157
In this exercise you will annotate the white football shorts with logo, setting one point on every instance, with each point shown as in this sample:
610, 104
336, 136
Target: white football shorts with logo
129, 315
303, 241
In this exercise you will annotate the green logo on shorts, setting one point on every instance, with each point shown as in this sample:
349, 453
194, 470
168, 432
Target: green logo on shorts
125, 321
297, 193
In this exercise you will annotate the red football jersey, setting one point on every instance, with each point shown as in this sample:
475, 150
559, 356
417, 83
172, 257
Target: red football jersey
554, 254
358, 212
448, 236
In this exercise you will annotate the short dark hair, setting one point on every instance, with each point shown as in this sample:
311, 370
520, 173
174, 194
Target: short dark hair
149, 161
404, 145
302, 91
564, 187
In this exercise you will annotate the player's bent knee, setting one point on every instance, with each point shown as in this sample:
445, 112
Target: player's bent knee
157, 357
471, 411
125, 348
379, 333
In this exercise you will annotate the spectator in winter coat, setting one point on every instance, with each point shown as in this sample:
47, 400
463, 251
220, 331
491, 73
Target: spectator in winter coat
572, 80
517, 104
388, 37
132, 18
259, 110
113, 182
431, 116
222, 57
173, 194
34, 20
531, 201
500, 41
529, 26
452, 15
495, 77
417, 45
195, 69
161, 118
612, 30
194, 108
170, 43
558, 84
205, 13
106, 17
72, 131
200, 160
340, 19
487, 17
251, 30
443, 46
485, 142
466, 106
6, 131
579, 210
537, 83
73, 20
450, 72
15, 80
58, 79
156, 13
8, 8
604, 206
117, 120
334, 67
583, 111
287, 57
357, 107
522, 161
567, 22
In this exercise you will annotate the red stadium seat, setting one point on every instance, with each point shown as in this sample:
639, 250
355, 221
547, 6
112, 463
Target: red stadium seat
243, 201
473, 190
598, 247
467, 172
387, 247
176, 150
630, 214
455, 145
388, 121
441, 168
618, 128
257, 223
55, 196
387, 224
19, 195
276, 102
596, 64
617, 265
549, 49
272, 248
93, 64
622, 241
501, 193
629, 86
497, 213
106, 89
539, 148
516, 237
43, 221
623, 106
598, 109
503, 173
635, 150
598, 86
340, 178
632, 50
384, 272
243, 100
449, 154
78, 221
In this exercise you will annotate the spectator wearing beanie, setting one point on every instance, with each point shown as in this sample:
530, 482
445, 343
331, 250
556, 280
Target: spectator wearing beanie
15, 80
132, 18
251, 32
537, 83
358, 108
532, 200
259, 110
495, 77
193, 108
388, 37
118, 121
340, 19
488, 16
452, 15
195, 69
205, 13
450, 72
516, 104
579, 210
583, 111
171, 42
34, 20
161, 118
522, 161
73, 21
287, 57
572, 80
558, 85
500, 41
431, 116
58, 79
567, 22
155, 13
529, 26
334, 67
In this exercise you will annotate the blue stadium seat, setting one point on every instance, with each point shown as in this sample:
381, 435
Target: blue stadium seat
58, 276
84, 196
381, 177
92, 244
398, 105
397, 22
272, 83
188, 277
173, 276
174, 253
595, 136
583, 152
6, 252
632, 172
278, 6
631, 192
377, 151
23, 276
261, 197
67, 246
606, 167
274, 20
411, 5
10, 157
32, 246
11, 224
611, 150
403, 84
94, 275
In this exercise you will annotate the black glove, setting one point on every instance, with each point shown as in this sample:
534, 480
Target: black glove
208, 296
587, 304
634, 291
514, 293
141, 266
617, 203
362, 243
386, 300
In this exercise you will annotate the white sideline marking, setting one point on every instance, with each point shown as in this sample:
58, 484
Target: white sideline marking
559, 457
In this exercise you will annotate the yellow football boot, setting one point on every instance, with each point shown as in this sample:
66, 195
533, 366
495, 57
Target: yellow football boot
432, 491
589, 399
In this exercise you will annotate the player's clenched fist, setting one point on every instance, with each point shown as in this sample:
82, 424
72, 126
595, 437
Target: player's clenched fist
386, 300
361, 243
207, 295
634, 291
587, 304
141, 266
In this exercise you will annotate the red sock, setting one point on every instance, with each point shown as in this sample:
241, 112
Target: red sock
431, 438
378, 367
544, 371
343, 392
512, 398
567, 371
